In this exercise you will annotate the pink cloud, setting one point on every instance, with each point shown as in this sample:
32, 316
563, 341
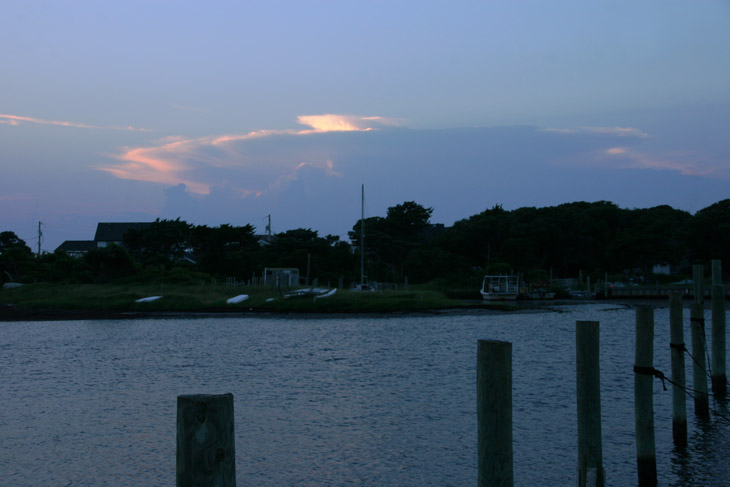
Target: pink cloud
164, 164
175, 160
687, 164
17, 120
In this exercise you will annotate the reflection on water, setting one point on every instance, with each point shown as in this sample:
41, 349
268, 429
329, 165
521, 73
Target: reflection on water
328, 402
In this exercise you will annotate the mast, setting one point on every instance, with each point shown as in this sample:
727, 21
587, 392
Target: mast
362, 238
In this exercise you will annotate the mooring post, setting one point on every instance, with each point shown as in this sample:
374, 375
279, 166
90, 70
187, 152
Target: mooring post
643, 397
676, 344
699, 374
719, 377
494, 413
590, 451
205, 442
698, 281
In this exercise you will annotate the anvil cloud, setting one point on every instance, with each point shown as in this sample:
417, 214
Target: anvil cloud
178, 160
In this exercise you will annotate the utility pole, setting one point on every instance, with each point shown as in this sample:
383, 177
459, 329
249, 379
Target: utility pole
40, 238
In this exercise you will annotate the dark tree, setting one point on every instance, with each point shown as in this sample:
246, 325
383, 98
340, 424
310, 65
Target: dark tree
708, 234
163, 238
16, 258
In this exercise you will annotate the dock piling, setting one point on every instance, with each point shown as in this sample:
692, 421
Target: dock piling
205, 441
719, 377
679, 398
699, 374
590, 451
494, 413
643, 397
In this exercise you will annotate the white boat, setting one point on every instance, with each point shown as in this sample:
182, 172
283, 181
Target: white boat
326, 294
310, 291
148, 299
237, 299
500, 288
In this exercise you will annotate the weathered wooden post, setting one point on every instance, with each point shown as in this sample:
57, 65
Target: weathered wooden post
494, 413
643, 398
205, 442
590, 451
719, 377
699, 374
679, 399
698, 278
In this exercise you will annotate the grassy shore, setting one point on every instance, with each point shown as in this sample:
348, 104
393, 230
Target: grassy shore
100, 299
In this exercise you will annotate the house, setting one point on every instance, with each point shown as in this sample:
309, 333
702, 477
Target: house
113, 233
107, 233
76, 248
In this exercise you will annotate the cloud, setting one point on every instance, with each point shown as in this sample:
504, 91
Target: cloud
166, 163
17, 120
686, 164
612, 131
319, 124
342, 123
178, 160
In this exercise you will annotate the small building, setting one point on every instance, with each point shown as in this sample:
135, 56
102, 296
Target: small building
281, 277
77, 248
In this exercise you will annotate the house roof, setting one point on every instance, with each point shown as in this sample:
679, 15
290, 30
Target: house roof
77, 245
114, 232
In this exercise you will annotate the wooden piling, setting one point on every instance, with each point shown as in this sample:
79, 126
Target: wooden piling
679, 398
719, 376
494, 413
590, 451
205, 441
699, 375
643, 397
698, 278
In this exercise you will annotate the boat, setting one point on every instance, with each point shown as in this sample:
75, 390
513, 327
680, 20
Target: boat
541, 294
582, 294
326, 294
500, 288
317, 292
237, 299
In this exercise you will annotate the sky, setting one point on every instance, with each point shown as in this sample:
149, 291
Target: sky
227, 112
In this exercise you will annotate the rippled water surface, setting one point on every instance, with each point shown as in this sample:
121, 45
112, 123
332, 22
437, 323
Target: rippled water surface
328, 402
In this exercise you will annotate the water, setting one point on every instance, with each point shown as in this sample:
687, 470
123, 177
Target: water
328, 402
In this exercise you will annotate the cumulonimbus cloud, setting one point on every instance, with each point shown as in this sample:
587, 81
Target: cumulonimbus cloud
177, 160
18, 120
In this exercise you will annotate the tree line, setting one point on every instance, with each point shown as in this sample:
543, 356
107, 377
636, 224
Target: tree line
560, 241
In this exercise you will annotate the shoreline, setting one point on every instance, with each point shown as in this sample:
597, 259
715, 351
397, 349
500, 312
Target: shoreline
12, 314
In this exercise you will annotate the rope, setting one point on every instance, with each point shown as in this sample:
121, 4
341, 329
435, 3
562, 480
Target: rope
688, 391
701, 366
651, 371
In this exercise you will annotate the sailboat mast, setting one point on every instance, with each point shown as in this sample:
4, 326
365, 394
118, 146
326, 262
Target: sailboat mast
362, 237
